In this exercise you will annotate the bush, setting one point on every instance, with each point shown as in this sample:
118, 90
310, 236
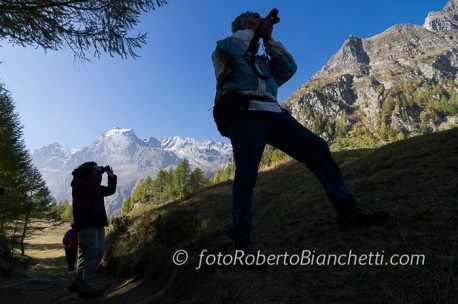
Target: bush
121, 224
176, 226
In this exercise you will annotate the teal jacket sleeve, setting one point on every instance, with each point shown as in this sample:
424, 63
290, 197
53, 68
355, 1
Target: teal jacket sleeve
282, 65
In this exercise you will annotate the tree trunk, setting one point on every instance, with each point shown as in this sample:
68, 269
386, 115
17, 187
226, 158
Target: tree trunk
13, 243
3, 219
24, 231
27, 215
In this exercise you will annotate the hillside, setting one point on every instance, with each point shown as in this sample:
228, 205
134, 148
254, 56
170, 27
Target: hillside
394, 85
416, 179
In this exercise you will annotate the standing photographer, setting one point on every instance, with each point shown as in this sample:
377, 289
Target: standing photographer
246, 110
90, 218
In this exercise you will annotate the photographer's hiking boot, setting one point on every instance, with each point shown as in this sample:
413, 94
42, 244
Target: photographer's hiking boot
358, 215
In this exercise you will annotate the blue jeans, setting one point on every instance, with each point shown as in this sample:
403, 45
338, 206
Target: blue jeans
249, 133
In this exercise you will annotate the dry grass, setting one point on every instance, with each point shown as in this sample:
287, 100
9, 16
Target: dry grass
46, 250
416, 179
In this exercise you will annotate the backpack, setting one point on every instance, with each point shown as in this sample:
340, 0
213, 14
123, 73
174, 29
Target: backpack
225, 106
70, 239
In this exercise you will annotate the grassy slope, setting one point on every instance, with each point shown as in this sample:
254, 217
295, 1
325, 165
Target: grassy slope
416, 179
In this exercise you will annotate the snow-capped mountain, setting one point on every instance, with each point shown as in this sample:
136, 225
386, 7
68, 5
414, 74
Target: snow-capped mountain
207, 155
131, 159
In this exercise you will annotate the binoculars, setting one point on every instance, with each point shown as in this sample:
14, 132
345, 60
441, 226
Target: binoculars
106, 169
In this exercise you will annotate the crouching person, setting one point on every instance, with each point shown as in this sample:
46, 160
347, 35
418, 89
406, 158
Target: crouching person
70, 242
90, 218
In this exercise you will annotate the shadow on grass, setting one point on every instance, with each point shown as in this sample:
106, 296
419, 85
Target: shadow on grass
48, 266
55, 246
416, 179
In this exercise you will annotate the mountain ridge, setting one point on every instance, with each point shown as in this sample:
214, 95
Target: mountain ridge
399, 83
131, 159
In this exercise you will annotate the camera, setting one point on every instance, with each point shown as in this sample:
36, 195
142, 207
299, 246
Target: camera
272, 16
254, 43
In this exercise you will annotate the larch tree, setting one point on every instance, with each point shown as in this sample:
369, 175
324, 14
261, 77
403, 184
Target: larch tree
84, 26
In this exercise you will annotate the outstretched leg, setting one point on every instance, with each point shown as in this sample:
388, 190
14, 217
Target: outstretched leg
303, 145
296, 140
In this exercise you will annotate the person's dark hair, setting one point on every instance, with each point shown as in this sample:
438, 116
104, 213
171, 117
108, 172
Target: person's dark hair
239, 23
84, 170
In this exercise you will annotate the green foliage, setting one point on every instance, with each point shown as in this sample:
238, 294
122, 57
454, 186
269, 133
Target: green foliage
270, 157
26, 196
120, 225
169, 185
225, 174
432, 102
197, 180
67, 215
62, 210
126, 206
143, 191
163, 185
180, 179
400, 136
38, 203
83, 26
406, 109
356, 138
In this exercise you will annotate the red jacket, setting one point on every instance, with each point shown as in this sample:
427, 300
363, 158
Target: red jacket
88, 204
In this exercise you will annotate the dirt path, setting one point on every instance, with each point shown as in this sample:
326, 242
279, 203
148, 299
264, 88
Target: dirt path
47, 279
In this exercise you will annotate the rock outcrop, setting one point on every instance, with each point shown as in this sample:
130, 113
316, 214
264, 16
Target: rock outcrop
396, 84
445, 20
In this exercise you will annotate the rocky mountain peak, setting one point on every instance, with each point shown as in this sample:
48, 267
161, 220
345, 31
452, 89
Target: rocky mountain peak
117, 131
118, 134
444, 20
452, 8
396, 84
350, 59
52, 156
152, 142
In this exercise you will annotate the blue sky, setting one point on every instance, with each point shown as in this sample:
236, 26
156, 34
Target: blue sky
169, 89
